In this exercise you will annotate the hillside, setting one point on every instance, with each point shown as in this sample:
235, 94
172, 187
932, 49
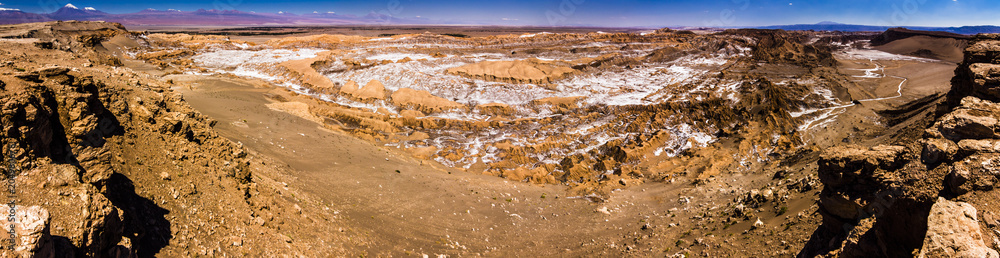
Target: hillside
927, 44
110, 162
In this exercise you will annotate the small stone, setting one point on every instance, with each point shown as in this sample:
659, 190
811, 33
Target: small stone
758, 224
604, 210
990, 219
164, 175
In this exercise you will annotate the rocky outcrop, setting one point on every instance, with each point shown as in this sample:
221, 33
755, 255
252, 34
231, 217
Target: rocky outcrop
374, 90
953, 231
979, 73
423, 101
778, 46
530, 70
863, 203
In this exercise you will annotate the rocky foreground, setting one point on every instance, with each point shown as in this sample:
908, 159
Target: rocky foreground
108, 162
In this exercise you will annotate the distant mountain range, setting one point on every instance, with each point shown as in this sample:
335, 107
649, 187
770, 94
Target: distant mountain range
833, 26
234, 18
200, 17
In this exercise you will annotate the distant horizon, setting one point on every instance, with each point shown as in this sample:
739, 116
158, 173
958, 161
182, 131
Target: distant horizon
592, 13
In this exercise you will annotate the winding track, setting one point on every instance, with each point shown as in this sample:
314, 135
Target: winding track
869, 73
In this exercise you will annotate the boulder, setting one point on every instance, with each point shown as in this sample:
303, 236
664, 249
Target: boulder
31, 228
937, 150
967, 124
953, 231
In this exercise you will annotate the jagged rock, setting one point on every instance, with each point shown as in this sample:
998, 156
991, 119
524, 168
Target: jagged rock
937, 150
990, 219
842, 165
31, 227
967, 124
953, 231
979, 74
977, 172
861, 185
957, 180
970, 146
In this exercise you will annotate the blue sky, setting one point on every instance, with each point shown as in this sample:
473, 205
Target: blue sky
599, 12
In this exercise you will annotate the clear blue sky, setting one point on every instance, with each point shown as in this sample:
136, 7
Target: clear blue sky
598, 12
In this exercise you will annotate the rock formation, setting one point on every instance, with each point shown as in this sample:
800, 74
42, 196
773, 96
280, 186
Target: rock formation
521, 71
423, 101
979, 73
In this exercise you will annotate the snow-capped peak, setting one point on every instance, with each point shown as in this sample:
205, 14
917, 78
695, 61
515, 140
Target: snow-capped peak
9, 9
89, 9
70, 6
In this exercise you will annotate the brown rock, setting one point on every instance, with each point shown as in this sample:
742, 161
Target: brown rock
957, 180
990, 219
31, 228
961, 124
423, 101
417, 136
495, 109
559, 103
937, 150
841, 165
953, 231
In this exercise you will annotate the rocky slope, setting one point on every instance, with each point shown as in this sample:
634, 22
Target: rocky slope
931, 195
110, 162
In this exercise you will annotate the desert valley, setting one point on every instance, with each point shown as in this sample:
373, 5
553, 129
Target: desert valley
461, 140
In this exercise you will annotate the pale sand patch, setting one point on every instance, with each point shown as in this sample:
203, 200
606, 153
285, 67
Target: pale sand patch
298, 109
